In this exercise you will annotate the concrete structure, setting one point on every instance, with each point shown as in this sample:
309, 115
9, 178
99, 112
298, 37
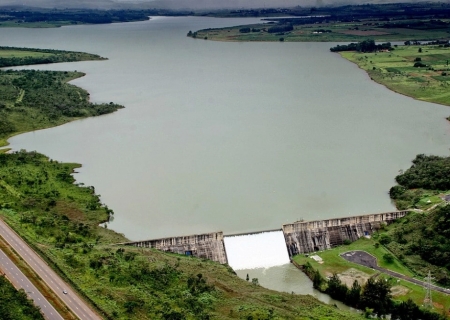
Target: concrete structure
310, 236
207, 246
300, 236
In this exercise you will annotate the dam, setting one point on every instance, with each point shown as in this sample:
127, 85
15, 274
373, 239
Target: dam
310, 236
273, 247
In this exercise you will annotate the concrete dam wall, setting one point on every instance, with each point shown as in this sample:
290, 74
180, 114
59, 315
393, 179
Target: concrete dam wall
300, 236
310, 236
207, 246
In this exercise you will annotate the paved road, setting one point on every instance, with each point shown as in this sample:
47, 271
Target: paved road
71, 299
366, 259
20, 281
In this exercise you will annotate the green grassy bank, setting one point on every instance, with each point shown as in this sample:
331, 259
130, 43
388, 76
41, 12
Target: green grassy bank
32, 100
333, 31
428, 81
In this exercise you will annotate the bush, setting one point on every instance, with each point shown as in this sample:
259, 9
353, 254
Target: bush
396, 191
388, 258
385, 239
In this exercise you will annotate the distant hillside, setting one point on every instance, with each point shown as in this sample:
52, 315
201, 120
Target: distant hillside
187, 4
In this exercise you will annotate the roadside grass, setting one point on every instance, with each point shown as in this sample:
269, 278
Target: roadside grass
333, 263
396, 71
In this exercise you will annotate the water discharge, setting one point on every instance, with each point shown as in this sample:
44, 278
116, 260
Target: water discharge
258, 250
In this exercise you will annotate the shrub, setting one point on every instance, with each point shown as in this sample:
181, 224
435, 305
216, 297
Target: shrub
244, 30
385, 239
388, 258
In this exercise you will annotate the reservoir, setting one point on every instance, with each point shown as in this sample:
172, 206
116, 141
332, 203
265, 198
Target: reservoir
235, 137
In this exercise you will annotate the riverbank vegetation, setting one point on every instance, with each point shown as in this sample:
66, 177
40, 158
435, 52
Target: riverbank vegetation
382, 22
32, 100
12, 56
61, 220
44, 18
419, 71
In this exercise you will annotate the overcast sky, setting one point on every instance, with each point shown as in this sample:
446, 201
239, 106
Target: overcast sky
185, 4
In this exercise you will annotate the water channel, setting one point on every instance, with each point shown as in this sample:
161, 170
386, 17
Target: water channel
232, 136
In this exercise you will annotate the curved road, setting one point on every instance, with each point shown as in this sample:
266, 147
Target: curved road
367, 260
20, 281
71, 299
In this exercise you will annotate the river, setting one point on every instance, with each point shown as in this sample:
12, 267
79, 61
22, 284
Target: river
229, 136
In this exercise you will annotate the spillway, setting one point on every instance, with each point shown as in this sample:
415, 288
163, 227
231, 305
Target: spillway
259, 250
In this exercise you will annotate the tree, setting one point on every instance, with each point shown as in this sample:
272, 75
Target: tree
354, 295
376, 295
317, 280
335, 288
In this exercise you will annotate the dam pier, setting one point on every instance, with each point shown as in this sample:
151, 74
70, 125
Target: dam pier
299, 237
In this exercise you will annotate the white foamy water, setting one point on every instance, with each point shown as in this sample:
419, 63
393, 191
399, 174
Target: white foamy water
260, 250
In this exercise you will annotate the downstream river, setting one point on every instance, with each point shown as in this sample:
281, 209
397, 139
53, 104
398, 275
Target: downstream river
229, 136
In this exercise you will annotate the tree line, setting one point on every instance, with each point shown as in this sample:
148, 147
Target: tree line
374, 297
363, 46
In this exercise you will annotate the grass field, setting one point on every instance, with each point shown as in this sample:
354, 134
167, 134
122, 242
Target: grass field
21, 54
336, 32
396, 71
333, 263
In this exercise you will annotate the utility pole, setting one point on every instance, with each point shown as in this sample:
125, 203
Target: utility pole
428, 301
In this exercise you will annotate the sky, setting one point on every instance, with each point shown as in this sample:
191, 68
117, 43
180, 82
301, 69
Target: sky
184, 4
